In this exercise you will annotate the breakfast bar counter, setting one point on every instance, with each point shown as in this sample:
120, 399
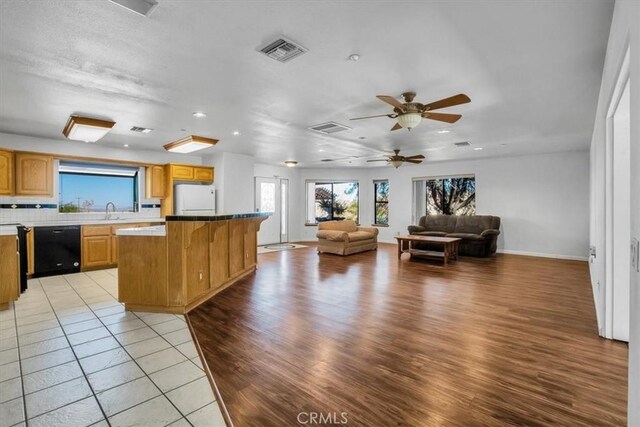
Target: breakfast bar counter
175, 268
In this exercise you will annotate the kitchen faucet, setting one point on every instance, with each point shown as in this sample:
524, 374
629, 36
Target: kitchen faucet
107, 215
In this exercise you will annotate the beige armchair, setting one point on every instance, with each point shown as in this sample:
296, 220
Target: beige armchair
345, 238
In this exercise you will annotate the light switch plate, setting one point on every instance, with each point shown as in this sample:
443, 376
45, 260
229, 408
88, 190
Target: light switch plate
635, 254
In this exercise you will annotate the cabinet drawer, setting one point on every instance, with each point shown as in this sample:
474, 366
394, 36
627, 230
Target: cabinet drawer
96, 230
115, 228
203, 174
181, 172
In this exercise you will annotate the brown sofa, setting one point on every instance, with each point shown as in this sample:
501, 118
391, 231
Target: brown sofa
479, 233
345, 237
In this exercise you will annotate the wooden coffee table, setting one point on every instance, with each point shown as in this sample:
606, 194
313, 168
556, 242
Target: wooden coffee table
449, 246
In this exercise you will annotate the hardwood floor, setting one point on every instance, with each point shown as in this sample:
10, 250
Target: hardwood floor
483, 342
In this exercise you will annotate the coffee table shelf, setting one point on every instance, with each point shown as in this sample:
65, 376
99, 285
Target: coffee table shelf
449, 246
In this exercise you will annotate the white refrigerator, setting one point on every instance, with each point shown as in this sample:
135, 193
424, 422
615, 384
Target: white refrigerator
193, 199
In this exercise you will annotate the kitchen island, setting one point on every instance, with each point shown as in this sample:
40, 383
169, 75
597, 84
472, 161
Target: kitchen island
176, 267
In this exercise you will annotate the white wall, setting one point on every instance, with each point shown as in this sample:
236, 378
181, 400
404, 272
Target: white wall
543, 200
624, 33
233, 180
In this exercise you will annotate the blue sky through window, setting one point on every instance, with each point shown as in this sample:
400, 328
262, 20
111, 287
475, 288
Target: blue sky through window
81, 189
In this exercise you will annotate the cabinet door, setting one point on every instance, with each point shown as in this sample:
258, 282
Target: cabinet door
96, 251
9, 270
250, 243
34, 175
236, 247
114, 249
30, 253
180, 172
197, 259
155, 182
203, 174
219, 252
6, 172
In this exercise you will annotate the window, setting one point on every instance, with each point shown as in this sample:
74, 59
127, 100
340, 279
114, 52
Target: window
88, 187
332, 200
444, 195
381, 202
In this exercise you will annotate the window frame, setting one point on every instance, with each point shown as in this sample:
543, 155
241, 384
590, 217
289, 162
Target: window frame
325, 182
135, 186
376, 202
415, 214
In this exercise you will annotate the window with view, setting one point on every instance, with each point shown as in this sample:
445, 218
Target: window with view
381, 202
89, 187
445, 195
332, 200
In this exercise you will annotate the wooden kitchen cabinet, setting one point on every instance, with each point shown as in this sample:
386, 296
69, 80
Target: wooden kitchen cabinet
96, 251
203, 174
9, 271
7, 185
34, 174
182, 172
186, 173
155, 182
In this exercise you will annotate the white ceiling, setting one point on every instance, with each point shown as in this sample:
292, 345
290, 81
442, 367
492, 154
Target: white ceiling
531, 68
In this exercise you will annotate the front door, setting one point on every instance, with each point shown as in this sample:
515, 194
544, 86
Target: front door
272, 195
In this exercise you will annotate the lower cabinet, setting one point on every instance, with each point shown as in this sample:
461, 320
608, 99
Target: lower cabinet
100, 245
9, 271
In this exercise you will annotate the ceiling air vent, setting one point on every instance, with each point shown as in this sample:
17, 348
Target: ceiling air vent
141, 7
282, 49
462, 144
140, 129
326, 160
329, 128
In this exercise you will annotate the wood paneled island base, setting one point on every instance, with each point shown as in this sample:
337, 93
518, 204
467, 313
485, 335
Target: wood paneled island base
175, 269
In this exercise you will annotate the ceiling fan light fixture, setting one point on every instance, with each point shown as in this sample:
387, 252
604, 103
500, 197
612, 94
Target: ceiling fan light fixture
290, 163
395, 163
190, 144
409, 120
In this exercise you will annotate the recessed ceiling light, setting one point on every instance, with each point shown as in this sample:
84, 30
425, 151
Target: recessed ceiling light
199, 114
126, 145
354, 57
290, 163
478, 148
190, 144
236, 133
444, 131
320, 150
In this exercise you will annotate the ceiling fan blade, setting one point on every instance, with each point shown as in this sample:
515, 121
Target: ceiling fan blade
396, 126
379, 160
371, 117
461, 98
413, 161
417, 156
391, 101
442, 117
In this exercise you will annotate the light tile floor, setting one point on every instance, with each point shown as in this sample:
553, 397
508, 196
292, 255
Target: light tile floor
70, 355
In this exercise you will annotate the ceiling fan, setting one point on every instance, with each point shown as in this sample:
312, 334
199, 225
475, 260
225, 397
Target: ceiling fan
410, 114
396, 160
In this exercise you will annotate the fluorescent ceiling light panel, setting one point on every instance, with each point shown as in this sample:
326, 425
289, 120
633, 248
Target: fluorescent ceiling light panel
190, 144
86, 129
141, 7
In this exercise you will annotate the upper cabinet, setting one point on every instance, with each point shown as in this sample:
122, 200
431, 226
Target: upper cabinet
6, 172
34, 174
191, 173
155, 184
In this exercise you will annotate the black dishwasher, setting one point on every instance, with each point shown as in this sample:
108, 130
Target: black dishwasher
56, 250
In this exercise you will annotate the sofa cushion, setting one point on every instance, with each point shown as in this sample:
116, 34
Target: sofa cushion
431, 233
346, 225
475, 224
333, 235
446, 223
467, 236
356, 236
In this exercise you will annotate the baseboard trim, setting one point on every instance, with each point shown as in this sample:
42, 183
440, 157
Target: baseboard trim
543, 255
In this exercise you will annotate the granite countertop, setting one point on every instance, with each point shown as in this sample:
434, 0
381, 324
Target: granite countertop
221, 217
86, 222
157, 230
8, 230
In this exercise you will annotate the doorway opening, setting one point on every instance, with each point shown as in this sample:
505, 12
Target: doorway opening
618, 209
272, 195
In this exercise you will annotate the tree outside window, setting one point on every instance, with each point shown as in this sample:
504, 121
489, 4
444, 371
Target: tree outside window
381, 203
451, 196
336, 201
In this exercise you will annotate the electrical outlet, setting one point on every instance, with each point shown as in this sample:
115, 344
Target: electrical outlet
635, 255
